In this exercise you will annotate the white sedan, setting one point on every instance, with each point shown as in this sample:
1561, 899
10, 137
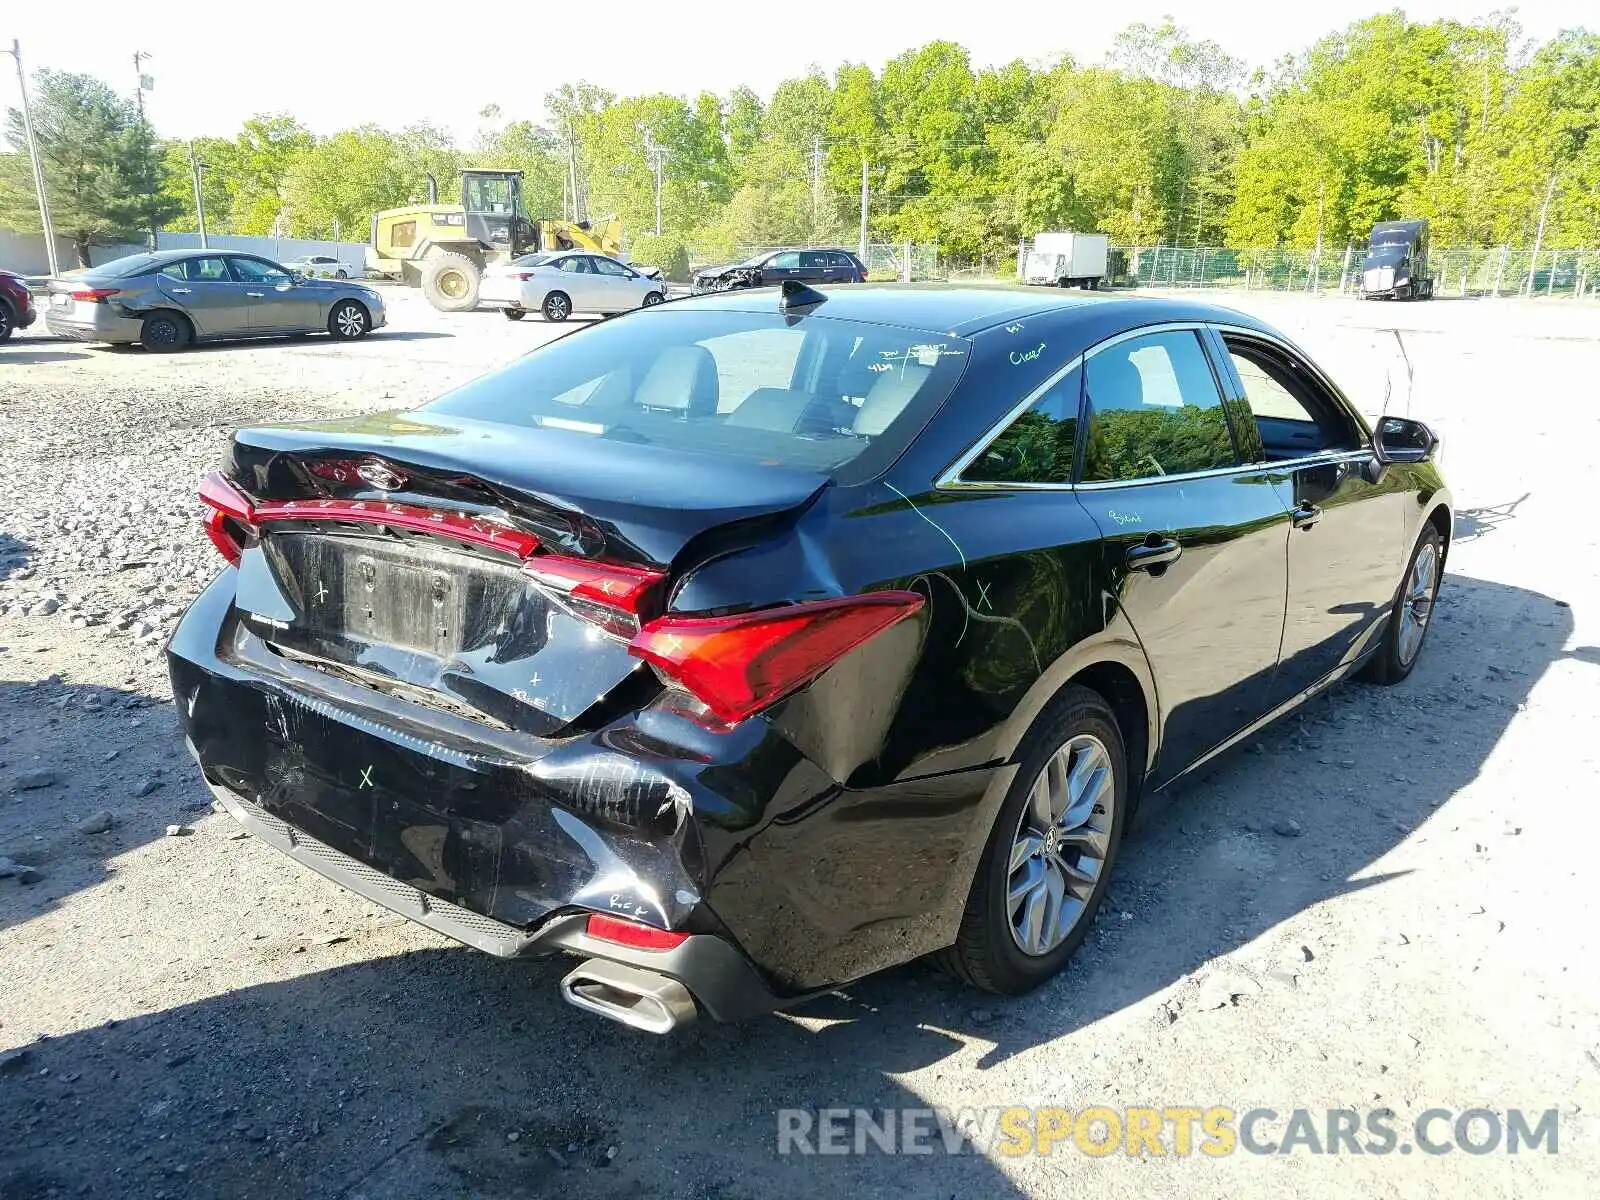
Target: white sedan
322, 266
566, 282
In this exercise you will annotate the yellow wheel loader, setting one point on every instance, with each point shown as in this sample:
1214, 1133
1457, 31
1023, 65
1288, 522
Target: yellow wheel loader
444, 248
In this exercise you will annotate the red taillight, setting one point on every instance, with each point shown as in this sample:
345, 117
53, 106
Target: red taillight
739, 665
230, 516
522, 276
631, 933
96, 295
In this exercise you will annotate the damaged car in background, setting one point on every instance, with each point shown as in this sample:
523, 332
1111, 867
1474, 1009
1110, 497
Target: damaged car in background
758, 643
826, 265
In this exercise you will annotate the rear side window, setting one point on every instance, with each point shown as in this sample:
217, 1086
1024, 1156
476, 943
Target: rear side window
828, 395
1153, 409
837, 259
1038, 446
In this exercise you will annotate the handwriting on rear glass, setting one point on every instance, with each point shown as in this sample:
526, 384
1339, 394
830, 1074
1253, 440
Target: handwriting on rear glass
1018, 357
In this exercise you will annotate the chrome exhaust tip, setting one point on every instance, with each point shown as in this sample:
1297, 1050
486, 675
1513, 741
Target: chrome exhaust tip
640, 999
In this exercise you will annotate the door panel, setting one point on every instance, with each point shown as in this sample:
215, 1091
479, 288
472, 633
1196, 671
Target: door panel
577, 281
277, 303
619, 290
1344, 554
1211, 622
206, 293
813, 267
1343, 567
1194, 547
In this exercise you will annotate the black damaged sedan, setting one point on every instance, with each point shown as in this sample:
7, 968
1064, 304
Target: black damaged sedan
756, 642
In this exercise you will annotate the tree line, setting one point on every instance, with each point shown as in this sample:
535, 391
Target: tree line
1168, 141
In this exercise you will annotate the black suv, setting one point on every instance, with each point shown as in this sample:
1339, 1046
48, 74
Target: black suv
825, 265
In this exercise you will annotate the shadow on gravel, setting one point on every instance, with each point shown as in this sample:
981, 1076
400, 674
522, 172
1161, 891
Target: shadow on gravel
71, 754
408, 1076
16, 357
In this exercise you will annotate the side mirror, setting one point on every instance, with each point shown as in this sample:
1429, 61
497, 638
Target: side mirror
1401, 440
297, 277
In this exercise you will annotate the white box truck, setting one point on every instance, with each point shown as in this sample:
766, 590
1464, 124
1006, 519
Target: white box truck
1064, 259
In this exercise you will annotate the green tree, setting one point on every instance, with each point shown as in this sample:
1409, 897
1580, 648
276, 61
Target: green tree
100, 165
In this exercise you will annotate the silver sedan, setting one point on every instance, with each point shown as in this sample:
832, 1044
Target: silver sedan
166, 300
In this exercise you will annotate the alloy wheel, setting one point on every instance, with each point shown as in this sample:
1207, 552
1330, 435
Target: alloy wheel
1061, 844
1417, 604
557, 306
351, 320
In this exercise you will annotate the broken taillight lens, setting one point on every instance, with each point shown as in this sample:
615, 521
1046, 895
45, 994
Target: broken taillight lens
738, 665
610, 596
230, 516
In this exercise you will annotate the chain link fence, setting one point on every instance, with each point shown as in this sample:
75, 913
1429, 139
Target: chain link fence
1487, 271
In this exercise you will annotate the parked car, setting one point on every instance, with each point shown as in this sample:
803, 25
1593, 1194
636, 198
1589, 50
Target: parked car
319, 266
168, 299
756, 644
16, 304
826, 265
566, 282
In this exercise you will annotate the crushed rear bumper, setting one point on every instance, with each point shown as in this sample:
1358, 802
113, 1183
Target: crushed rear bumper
719, 978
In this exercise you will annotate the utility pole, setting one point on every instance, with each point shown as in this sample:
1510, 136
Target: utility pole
657, 157
863, 212
144, 83
572, 168
195, 167
1538, 238
38, 166
816, 184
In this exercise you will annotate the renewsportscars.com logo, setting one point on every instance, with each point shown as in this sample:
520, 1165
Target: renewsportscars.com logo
1178, 1131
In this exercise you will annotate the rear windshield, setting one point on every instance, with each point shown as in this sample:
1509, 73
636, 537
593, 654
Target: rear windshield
837, 397
133, 264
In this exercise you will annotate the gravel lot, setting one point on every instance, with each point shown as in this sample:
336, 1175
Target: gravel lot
1383, 902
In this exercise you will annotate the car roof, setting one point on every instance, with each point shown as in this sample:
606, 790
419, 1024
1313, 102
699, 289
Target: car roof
963, 310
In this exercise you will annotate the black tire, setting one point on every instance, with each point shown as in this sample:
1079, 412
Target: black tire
986, 953
341, 274
514, 314
652, 299
349, 320
451, 282
557, 306
164, 332
1391, 663
8, 323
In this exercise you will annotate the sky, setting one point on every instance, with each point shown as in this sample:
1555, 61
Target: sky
338, 65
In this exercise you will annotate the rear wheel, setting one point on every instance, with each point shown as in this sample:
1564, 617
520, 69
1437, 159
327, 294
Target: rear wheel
1048, 861
1410, 616
349, 320
163, 332
514, 314
557, 306
450, 282
7, 323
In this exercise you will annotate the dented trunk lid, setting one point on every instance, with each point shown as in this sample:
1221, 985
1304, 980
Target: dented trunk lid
375, 565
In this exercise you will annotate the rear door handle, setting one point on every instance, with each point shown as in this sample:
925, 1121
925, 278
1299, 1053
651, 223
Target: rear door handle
255, 295
1306, 515
1149, 554
182, 291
